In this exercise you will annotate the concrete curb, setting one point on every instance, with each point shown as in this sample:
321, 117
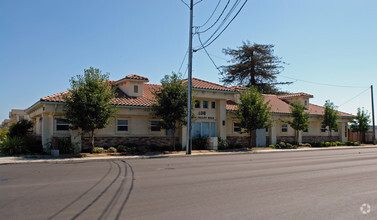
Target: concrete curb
19, 160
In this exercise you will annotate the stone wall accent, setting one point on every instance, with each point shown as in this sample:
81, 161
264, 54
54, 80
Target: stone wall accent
286, 139
115, 141
312, 139
238, 140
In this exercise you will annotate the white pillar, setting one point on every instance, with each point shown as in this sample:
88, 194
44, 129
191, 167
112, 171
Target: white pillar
342, 131
47, 129
222, 119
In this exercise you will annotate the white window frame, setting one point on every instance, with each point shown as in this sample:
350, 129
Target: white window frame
284, 128
61, 124
237, 126
151, 121
127, 125
136, 89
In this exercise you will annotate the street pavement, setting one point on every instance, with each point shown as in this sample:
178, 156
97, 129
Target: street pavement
332, 184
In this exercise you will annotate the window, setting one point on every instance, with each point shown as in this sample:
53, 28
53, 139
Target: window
122, 125
306, 102
284, 128
323, 128
136, 89
62, 124
213, 129
205, 104
306, 130
237, 127
213, 105
155, 126
21, 118
266, 129
345, 130
204, 129
197, 104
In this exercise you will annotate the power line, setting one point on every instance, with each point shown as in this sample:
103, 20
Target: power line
323, 84
185, 3
182, 61
223, 29
209, 55
216, 19
224, 20
211, 14
355, 96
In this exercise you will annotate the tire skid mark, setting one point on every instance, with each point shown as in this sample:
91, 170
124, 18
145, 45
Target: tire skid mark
129, 191
101, 194
83, 194
110, 206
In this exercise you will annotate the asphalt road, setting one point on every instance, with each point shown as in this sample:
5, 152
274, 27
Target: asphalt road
295, 185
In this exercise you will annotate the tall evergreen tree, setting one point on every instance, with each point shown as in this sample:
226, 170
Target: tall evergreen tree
171, 104
253, 65
330, 117
253, 112
88, 103
360, 123
300, 118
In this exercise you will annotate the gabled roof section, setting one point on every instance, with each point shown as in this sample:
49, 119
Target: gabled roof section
238, 88
202, 84
295, 95
133, 77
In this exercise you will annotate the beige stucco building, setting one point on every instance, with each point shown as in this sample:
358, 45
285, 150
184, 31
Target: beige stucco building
214, 109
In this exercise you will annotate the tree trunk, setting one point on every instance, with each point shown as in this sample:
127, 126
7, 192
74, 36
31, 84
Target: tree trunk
92, 140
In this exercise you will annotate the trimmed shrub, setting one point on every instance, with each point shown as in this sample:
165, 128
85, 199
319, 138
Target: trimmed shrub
288, 146
20, 129
282, 145
122, 148
13, 145
222, 143
64, 145
277, 146
199, 143
271, 146
112, 150
356, 143
334, 144
98, 150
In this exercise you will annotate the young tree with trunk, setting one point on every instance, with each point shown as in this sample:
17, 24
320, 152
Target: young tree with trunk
300, 118
170, 104
330, 117
88, 103
253, 112
360, 123
253, 65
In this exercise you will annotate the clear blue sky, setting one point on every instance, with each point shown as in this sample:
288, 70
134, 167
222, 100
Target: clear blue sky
44, 43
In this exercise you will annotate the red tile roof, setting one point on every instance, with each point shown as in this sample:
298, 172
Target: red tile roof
293, 95
278, 106
202, 84
134, 77
238, 88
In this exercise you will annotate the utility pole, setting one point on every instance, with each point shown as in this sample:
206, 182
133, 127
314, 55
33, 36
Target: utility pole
189, 86
374, 131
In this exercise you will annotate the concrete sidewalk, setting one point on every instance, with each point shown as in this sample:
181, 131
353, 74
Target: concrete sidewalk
20, 160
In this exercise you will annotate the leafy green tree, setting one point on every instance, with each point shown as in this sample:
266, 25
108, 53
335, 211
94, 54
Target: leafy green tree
330, 117
20, 129
253, 65
300, 118
88, 104
3, 134
171, 104
253, 112
360, 123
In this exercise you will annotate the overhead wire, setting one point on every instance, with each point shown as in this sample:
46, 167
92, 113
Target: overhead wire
213, 62
211, 14
207, 44
355, 97
179, 70
216, 19
323, 84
